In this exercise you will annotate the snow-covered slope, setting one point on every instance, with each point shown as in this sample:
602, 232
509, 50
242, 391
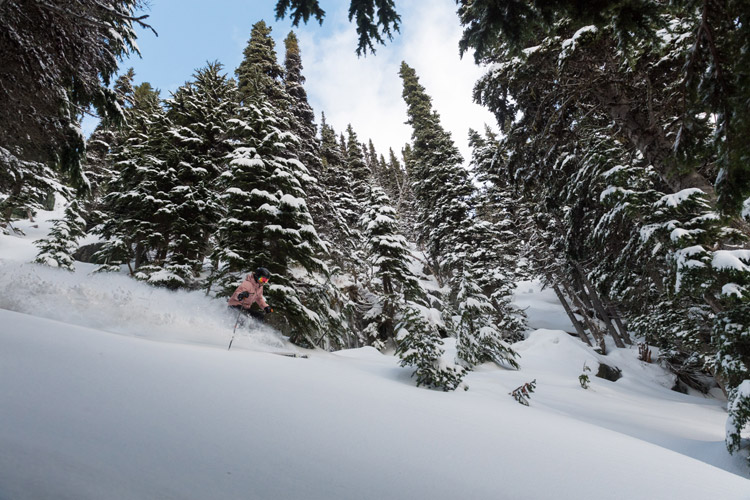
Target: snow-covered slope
113, 389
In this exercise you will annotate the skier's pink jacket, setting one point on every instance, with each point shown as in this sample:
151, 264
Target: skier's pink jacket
255, 290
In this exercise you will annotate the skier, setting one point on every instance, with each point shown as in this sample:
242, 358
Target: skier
250, 292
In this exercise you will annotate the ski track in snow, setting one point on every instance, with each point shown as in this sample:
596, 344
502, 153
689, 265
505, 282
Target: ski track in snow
110, 388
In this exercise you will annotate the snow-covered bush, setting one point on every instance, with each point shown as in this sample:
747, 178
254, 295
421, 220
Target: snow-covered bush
479, 338
57, 249
419, 345
739, 416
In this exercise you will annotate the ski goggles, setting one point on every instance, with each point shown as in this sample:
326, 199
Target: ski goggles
263, 280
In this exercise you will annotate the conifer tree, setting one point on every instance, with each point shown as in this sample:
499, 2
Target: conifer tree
498, 236
340, 222
639, 173
57, 249
267, 222
198, 114
419, 345
393, 178
259, 73
136, 210
59, 60
325, 215
479, 337
393, 283
25, 186
441, 185
107, 136
357, 166
375, 18
308, 147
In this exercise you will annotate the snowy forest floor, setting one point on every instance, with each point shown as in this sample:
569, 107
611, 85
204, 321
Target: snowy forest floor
110, 388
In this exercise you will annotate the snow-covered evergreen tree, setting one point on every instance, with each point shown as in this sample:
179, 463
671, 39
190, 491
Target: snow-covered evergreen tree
259, 73
307, 149
480, 340
419, 345
198, 113
739, 417
24, 187
57, 249
359, 171
343, 221
107, 136
441, 185
392, 283
495, 259
59, 60
267, 222
137, 210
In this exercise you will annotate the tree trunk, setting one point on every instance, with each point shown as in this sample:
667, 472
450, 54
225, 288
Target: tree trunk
571, 315
599, 307
620, 325
650, 140
593, 328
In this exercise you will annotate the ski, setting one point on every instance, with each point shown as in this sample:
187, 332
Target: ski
291, 354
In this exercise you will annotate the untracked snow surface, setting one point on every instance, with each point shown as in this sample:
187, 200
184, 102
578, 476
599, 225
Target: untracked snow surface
112, 389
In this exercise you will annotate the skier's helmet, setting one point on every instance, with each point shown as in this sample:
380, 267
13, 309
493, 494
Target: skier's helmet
262, 275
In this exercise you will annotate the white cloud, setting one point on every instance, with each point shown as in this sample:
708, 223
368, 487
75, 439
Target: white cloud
366, 92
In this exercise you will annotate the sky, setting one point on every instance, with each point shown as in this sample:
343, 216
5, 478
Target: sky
363, 91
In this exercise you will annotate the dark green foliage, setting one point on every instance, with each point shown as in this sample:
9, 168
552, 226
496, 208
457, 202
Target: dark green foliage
198, 113
440, 184
135, 210
58, 248
363, 12
608, 140
266, 221
341, 224
57, 59
520, 22
739, 417
392, 283
259, 73
731, 338
357, 167
300, 9
677, 62
162, 208
583, 378
419, 345
480, 338
25, 185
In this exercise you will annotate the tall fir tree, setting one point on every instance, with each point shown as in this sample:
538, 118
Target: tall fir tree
441, 185
136, 209
358, 168
259, 73
267, 222
345, 236
198, 114
392, 284
308, 147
